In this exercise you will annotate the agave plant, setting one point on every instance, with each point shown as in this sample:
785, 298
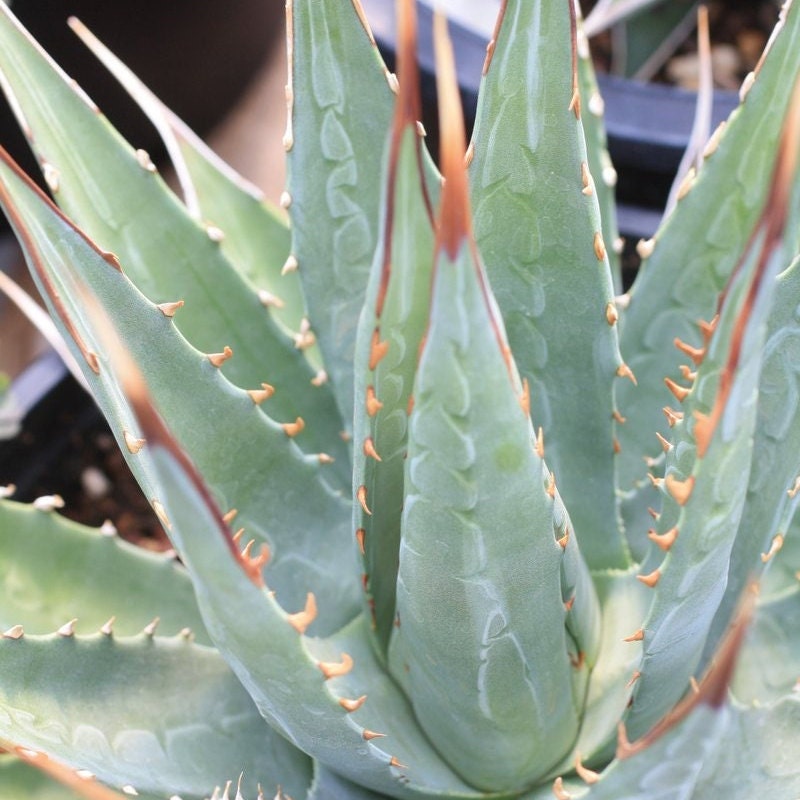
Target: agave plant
435, 535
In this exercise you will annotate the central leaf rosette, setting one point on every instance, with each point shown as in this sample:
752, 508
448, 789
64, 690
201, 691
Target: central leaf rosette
481, 605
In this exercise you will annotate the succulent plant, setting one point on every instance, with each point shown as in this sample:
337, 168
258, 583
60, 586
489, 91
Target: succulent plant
472, 557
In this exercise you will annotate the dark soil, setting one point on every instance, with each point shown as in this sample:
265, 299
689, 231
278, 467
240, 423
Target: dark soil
66, 448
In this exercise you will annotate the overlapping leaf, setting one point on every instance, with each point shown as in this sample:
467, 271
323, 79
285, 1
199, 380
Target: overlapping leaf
691, 259
708, 463
549, 268
281, 495
161, 715
115, 195
53, 570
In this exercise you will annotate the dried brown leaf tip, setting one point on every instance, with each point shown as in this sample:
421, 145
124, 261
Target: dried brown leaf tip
455, 222
408, 106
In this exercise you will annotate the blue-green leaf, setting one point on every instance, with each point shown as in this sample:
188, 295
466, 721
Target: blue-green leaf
161, 715
549, 269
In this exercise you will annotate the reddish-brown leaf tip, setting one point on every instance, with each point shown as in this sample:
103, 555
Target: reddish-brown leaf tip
455, 222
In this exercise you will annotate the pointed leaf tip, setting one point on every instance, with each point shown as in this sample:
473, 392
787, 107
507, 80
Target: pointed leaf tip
408, 109
455, 222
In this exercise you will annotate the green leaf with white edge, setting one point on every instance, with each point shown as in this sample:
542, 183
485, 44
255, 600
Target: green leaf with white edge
731, 752
256, 237
162, 715
281, 668
281, 495
341, 107
598, 158
770, 502
550, 274
491, 684
390, 332
691, 259
114, 194
708, 464
53, 570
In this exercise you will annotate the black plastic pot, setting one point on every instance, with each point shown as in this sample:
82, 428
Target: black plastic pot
55, 411
648, 125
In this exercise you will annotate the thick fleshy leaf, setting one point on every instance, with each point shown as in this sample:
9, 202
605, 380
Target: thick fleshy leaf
691, 259
293, 678
163, 715
767, 667
708, 746
250, 461
490, 682
339, 89
256, 236
485, 537
771, 500
390, 332
53, 570
708, 462
623, 602
549, 270
115, 195
598, 158
736, 753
